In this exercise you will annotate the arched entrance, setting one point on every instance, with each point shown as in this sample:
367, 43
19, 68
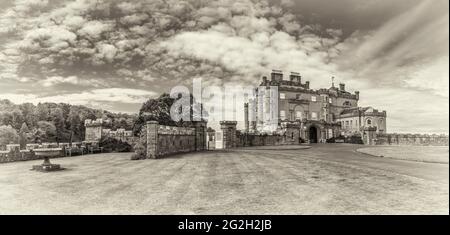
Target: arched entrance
313, 134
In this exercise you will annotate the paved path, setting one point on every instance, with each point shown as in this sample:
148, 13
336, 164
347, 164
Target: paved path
325, 179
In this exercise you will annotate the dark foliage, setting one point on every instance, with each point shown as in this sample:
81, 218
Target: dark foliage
113, 145
355, 139
50, 122
159, 110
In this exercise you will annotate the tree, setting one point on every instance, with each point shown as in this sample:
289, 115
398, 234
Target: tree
74, 125
46, 132
23, 135
56, 115
17, 119
159, 110
28, 111
8, 135
155, 110
42, 112
6, 118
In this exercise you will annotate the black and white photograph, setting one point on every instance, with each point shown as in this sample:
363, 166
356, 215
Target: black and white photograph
224, 107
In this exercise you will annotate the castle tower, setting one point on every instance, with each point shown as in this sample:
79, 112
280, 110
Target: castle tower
93, 131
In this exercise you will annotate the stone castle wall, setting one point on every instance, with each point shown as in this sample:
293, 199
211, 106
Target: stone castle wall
95, 131
231, 138
249, 139
411, 139
15, 154
166, 140
370, 137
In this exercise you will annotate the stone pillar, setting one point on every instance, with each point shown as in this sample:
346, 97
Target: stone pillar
369, 134
200, 136
246, 117
229, 133
211, 139
152, 139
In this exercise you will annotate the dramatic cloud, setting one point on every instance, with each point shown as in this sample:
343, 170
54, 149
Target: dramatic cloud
97, 98
77, 51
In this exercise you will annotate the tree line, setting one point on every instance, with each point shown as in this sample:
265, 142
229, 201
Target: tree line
52, 122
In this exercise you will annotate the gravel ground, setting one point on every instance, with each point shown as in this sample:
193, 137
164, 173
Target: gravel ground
325, 179
437, 154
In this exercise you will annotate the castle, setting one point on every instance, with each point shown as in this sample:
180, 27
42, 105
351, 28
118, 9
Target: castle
311, 115
95, 131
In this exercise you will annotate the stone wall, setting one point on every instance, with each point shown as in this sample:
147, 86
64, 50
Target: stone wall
411, 139
95, 132
229, 137
166, 140
250, 139
22, 155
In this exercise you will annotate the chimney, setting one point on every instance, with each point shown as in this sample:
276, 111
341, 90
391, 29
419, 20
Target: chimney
276, 75
341, 86
357, 95
307, 84
264, 79
295, 77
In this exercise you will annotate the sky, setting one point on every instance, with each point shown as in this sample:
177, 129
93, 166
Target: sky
116, 54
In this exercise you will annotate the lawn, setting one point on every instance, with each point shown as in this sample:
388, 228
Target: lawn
319, 180
438, 154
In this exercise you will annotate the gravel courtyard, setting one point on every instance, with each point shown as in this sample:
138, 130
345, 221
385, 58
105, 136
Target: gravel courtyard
324, 179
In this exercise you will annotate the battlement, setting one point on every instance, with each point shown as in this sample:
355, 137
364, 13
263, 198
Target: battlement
90, 122
295, 84
295, 80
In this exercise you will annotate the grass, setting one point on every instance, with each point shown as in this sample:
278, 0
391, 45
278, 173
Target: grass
436, 154
309, 181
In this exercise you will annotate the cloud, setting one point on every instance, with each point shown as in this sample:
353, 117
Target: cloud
98, 98
393, 53
85, 38
403, 67
409, 111
80, 49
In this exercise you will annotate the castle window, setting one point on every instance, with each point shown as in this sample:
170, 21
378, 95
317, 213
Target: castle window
283, 115
313, 98
369, 122
330, 100
314, 115
282, 96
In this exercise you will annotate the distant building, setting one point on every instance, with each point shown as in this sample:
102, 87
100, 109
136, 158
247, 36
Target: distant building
313, 115
95, 131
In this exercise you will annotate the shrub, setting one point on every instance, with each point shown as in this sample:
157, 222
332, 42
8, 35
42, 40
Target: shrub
140, 151
354, 139
8, 135
113, 145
